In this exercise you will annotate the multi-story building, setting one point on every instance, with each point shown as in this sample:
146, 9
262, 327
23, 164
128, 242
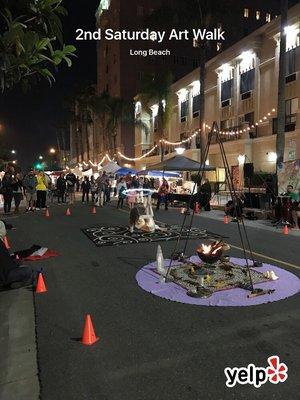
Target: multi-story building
241, 90
120, 74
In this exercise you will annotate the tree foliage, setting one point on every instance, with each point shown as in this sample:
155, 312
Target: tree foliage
31, 41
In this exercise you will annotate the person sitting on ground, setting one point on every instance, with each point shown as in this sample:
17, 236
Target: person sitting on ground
233, 209
144, 222
11, 273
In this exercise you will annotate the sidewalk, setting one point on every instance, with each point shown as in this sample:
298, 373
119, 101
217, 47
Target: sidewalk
18, 362
218, 215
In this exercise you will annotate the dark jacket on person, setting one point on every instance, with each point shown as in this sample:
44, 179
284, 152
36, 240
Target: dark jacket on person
6, 187
17, 185
61, 184
71, 180
85, 186
6, 263
30, 183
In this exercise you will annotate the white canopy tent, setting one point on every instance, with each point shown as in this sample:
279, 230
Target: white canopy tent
111, 167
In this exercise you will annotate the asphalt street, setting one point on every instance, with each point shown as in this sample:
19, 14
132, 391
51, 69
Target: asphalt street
149, 348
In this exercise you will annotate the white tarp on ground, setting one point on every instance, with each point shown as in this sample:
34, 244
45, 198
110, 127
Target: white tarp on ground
111, 167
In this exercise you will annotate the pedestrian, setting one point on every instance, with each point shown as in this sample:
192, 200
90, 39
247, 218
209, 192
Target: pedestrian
121, 190
85, 188
77, 184
101, 183
107, 190
205, 189
7, 191
29, 184
71, 182
131, 197
17, 191
163, 193
61, 188
41, 191
94, 188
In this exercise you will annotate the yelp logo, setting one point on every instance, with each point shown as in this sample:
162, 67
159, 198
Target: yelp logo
275, 372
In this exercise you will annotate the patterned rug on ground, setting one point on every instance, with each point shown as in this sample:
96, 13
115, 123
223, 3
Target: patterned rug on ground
120, 235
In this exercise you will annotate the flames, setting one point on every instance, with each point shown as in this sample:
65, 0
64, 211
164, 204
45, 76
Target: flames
211, 248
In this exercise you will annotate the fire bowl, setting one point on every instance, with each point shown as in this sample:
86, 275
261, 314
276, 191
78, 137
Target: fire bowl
210, 252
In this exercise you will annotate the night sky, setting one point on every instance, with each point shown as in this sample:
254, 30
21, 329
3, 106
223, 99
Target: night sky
29, 119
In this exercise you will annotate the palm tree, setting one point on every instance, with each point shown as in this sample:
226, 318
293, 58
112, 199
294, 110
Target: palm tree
195, 14
157, 89
84, 98
111, 111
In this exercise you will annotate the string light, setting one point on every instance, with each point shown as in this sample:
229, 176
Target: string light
138, 158
260, 121
182, 141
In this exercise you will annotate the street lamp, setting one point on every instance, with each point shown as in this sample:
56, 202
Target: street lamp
180, 150
52, 150
13, 152
41, 157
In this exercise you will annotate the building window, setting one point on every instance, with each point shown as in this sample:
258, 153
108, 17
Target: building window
268, 17
140, 11
291, 107
226, 90
225, 124
257, 15
184, 107
249, 118
195, 63
183, 60
176, 60
292, 61
247, 81
246, 12
219, 46
155, 123
196, 106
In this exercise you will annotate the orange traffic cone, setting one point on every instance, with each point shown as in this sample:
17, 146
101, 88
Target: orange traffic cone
6, 242
68, 212
226, 219
89, 337
285, 230
40, 287
47, 214
94, 210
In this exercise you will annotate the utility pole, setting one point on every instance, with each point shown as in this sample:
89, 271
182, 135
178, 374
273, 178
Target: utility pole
280, 139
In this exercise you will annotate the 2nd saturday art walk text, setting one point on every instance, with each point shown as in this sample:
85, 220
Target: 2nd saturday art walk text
147, 34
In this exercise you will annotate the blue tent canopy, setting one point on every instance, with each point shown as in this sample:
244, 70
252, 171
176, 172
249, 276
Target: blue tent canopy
125, 171
166, 174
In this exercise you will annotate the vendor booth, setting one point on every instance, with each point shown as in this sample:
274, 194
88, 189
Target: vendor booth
181, 163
